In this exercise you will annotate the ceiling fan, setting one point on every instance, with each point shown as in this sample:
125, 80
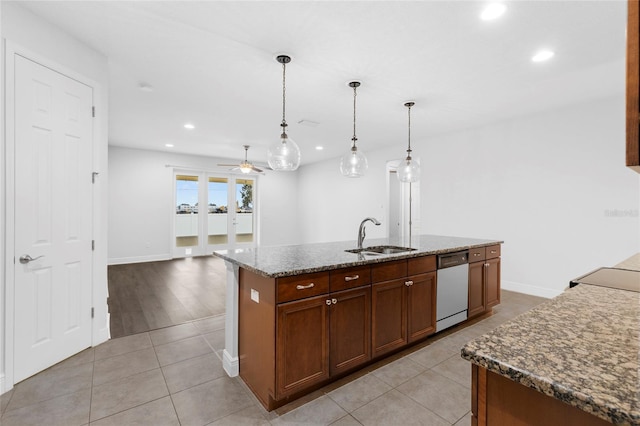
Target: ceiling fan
245, 166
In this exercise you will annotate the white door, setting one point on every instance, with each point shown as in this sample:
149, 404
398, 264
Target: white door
53, 199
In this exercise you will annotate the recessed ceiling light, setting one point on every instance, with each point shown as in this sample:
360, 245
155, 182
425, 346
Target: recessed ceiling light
145, 87
189, 126
542, 55
319, 148
493, 11
168, 145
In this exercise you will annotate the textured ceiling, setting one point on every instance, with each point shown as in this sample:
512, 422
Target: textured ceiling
212, 63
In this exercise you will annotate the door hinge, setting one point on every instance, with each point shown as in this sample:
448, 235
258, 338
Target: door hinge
93, 245
93, 311
93, 111
94, 175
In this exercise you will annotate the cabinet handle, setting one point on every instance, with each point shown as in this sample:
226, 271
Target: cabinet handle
486, 265
328, 302
334, 301
476, 254
494, 251
304, 287
355, 277
408, 283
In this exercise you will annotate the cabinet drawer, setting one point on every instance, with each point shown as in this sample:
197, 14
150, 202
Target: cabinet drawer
302, 286
388, 271
421, 265
493, 251
477, 254
343, 279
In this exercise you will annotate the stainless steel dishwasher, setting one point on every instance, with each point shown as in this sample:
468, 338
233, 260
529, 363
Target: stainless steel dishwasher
453, 289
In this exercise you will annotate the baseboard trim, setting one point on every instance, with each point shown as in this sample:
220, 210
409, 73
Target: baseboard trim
138, 259
230, 364
532, 290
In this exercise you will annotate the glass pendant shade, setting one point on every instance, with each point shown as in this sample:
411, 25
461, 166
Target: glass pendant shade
408, 170
354, 163
284, 155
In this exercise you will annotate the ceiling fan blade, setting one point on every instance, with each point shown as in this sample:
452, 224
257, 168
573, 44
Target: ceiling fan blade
255, 169
228, 165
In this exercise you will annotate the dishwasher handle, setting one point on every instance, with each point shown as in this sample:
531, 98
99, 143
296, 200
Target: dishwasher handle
453, 259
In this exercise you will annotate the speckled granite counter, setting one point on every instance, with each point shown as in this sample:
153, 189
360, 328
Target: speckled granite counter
581, 348
281, 261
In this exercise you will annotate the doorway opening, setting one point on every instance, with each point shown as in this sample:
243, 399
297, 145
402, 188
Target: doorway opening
403, 204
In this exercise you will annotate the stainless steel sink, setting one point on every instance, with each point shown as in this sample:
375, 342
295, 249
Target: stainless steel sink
377, 250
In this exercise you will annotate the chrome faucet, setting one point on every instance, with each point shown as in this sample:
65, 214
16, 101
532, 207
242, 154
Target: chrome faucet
361, 231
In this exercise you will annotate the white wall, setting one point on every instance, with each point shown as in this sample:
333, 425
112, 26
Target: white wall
32, 35
141, 203
544, 184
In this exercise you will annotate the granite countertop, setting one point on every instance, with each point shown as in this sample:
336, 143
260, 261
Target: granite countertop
282, 261
581, 347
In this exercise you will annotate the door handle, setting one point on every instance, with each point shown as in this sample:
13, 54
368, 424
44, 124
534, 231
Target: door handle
25, 258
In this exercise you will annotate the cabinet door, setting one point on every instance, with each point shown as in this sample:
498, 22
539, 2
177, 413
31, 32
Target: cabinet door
421, 306
389, 316
492, 282
302, 347
477, 301
350, 336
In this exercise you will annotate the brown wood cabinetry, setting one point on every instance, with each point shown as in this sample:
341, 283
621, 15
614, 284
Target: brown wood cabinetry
302, 345
484, 279
403, 306
496, 400
350, 331
300, 332
633, 85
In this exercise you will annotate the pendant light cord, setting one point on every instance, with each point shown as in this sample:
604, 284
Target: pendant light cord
354, 138
409, 146
284, 73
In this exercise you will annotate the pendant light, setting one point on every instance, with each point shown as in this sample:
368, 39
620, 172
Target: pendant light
284, 154
354, 162
409, 169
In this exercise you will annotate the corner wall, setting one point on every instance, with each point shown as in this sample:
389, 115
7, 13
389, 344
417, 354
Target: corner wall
553, 186
141, 203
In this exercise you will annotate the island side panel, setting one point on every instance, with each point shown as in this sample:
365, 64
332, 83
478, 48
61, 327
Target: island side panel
497, 400
256, 345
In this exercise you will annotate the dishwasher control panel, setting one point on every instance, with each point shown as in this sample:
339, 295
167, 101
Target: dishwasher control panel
453, 259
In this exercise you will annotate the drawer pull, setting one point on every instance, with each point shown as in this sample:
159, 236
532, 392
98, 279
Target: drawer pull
408, 283
355, 277
494, 251
477, 254
304, 287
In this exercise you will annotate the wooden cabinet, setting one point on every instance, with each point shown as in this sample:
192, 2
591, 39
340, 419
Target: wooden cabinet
484, 279
302, 345
350, 330
403, 306
633, 85
300, 332
497, 400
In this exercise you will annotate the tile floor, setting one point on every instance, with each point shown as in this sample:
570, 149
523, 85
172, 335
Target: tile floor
174, 376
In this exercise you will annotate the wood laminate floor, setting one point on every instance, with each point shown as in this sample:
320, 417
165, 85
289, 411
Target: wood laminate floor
153, 295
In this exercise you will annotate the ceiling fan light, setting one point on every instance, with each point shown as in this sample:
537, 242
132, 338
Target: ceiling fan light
245, 168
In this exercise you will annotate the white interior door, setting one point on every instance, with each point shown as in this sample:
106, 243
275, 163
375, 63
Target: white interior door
53, 225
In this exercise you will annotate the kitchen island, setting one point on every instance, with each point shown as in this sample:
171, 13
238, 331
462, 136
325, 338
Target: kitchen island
301, 316
573, 360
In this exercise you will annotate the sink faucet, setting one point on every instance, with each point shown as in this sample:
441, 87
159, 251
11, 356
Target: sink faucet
361, 231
